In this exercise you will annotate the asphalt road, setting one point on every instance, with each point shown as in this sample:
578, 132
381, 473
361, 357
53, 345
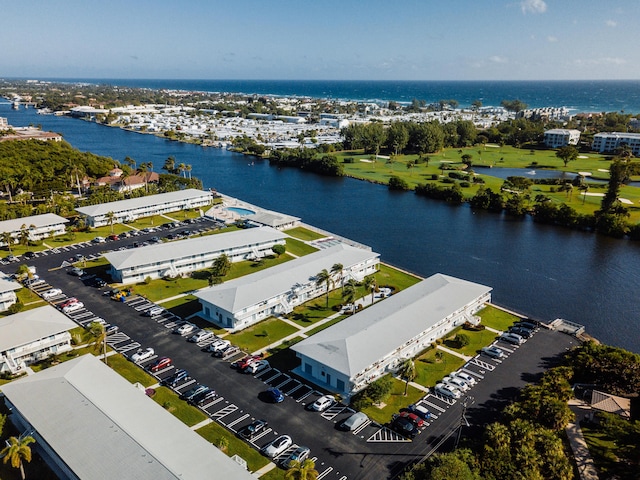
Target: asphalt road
373, 452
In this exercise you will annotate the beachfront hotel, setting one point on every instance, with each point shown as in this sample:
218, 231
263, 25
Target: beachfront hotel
609, 142
351, 354
38, 226
134, 208
244, 301
179, 258
561, 137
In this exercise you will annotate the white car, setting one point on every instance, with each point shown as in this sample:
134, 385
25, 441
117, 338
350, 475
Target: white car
256, 367
74, 307
324, 402
185, 328
154, 311
277, 446
218, 345
49, 294
448, 391
512, 338
456, 382
466, 377
200, 336
142, 355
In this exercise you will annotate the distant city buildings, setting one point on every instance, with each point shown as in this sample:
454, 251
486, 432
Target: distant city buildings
561, 137
609, 142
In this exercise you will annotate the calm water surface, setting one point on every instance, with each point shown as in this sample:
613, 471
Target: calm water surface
542, 271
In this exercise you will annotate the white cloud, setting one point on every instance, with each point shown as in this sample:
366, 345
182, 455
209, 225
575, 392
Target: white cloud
498, 59
552, 39
533, 6
611, 23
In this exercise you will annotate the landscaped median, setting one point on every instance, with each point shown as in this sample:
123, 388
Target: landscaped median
234, 446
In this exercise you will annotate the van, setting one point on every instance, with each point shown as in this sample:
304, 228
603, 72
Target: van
353, 422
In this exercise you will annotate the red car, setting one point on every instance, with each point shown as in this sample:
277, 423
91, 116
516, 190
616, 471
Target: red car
113, 237
416, 420
246, 361
160, 364
67, 302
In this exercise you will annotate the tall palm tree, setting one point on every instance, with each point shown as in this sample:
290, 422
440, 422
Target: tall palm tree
188, 169
23, 271
181, 168
370, 284
110, 219
17, 451
302, 471
99, 334
24, 235
350, 292
169, 165
324, 278
8, 239
338, 269
407, 371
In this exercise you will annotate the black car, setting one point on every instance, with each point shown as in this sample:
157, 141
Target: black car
176, 378
523, 332
404, 427
204, 398
30, 254
195, 400
525, 324
253, 429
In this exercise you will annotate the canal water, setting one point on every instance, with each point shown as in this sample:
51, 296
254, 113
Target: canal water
542, 271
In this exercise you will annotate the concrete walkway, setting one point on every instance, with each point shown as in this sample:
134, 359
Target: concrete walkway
202, 424
267, 468
466, 358
584, 462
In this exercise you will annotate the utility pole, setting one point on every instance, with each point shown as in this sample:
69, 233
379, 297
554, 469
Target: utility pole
467, 402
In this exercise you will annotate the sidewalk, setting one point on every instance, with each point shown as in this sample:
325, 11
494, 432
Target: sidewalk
581, 454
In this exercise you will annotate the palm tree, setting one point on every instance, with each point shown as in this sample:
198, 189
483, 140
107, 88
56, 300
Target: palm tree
99, 334
23, 271
24, 235
407, 371
338, 269
8, 239
302, 471
130, 161
16, 451
188, 169
169, 165
370, 284
350, 292
181, 168
324, 278
110, 219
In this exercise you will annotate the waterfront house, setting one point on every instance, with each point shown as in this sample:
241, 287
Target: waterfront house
91, 423
561, 137
244, 301
351, 354
178, 258
279, 221
134, 208
31, 336
38, 226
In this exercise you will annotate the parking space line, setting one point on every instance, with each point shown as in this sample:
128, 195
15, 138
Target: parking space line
211, 404
131, 346
271, 378
185, 384
305, 396
238, 420
436, 407
223, 412
325, 473
471, 372
332, 412
259, 436
283, 383
297, 387
361, 427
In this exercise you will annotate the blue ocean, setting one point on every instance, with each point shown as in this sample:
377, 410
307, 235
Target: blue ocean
579, 96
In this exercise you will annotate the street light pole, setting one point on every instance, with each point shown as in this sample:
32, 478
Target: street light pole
468, 401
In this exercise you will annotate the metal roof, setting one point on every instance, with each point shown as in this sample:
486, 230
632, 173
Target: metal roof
8, 285
141, 202
243, 292
164, 252
32, 325
103, 427
357, 342
271, 219
44, 220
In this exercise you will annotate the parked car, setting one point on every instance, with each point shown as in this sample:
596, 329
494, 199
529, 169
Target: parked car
256, 367
160, 364
420, 410
142, 355
203, 398
185, 328
98, 240
113, 236
179, 376
459, 383
110, 329
492, 351
413, 418
253, 429
324, 402
74, 307
75, 271
200, 336
193, 391
274, 395
354, 421
154, 311
246, 361
97, 282
67, 302
529, 325
299, 455
32, 282
227, 352
277, 446
30, 254
448, 391
523, 332
219, 344
196, 398
466, 377
404, 427
512, 338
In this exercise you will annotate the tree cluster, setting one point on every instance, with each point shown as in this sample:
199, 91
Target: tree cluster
306, 159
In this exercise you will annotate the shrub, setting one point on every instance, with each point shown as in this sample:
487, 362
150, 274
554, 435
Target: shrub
448, 180
465, 184
348, 160
147, 280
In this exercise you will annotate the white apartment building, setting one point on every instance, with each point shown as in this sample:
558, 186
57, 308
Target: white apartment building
244, 301
606, 142
561, 137
7, 292
38, 226
133, 208
351, 354
174, 259
31, 336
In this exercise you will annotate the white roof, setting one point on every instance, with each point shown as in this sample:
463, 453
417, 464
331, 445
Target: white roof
561, 131
271, 219
357, 342
628, 135
164, 252
8, 285
103, 427
140, 202
44, 220
32, 325
243, 292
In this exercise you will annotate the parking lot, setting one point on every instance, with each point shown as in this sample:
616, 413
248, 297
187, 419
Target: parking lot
371, 451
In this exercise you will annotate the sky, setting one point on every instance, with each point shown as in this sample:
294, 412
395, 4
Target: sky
321, 39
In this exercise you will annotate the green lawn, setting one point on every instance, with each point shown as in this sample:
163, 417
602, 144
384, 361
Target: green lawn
603, 451
477, 340
261, 334
319, 328
496, 318
431, 368
213, 432
29, 301
183, 306
299, 248
390, 276
275, 474
304, 234
240, 269
394, 403
179, 408
129, 370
